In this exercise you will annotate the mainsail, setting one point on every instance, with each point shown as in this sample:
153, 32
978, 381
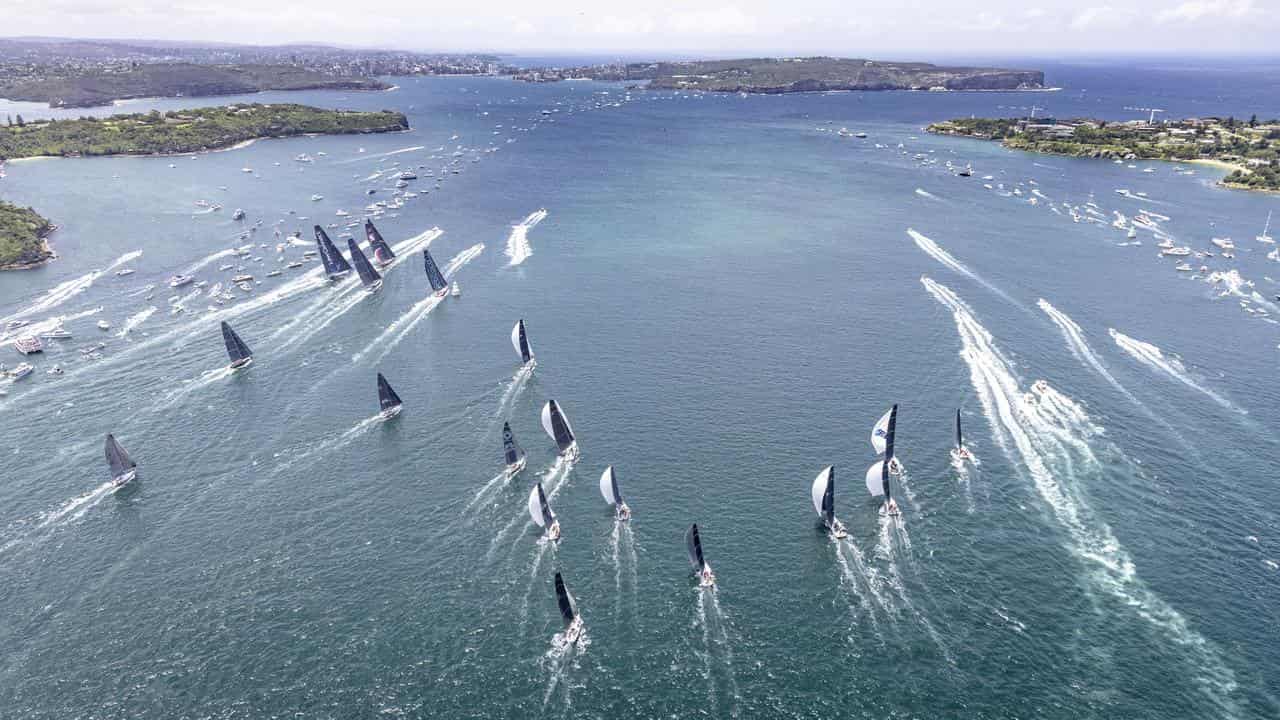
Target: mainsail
335, 266
381, 250
520, 341
539, 509
882, 433
568, 610
878, 479
959, 435
368, 275
434, 275
554, 422
609, 486
117, 458
823, 493
235, 346
510, 448
694, 544
387, 397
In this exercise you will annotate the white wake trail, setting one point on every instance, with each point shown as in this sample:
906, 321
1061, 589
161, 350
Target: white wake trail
64, 291
1072, 333
399, 328
518, 248
1045, 437
1154, 358
134, 320
935, 251
374, 156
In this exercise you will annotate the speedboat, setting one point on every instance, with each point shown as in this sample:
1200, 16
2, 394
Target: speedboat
179, 280
124, 271
245, 278
104, 325
55, 370
294, 264
22, 370
15, 324
317, 197
456, 291
238, 214
58, 333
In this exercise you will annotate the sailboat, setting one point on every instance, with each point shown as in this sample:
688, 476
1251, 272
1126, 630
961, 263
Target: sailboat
438, 284
612, 495
512, 452
1265, 237
520, 341
823, 494
382, 253
335, 266
878, 484
388, 400
693, 543
960, 453
240, 354
882, 437
370, 277
123, 468
557, 426
540, 511
568, 611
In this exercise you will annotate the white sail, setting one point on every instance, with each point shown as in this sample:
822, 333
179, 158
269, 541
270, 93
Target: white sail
819, 488
535, 507
546, 420
879, 432
875, 478
607, 483
515, 339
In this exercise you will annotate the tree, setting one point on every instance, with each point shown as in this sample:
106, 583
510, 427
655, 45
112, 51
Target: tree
20, 123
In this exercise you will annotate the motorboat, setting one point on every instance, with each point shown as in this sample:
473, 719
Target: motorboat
28, 344
455, 291
20, 371
104, 325
124, 271
244, 278
58, 333
179, 280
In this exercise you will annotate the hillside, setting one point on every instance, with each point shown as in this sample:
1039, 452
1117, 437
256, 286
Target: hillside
22, 234
765, 75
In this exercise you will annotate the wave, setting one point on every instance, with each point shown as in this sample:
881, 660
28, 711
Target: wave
133, 321
1238, 286
399, 328
935, 251
64, 291
371, 156
1154, 358
1046, 437
925, 193
1079, 347
518, 248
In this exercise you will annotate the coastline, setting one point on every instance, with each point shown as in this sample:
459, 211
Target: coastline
45, 248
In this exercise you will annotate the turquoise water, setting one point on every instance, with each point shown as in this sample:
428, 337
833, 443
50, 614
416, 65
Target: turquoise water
723, 297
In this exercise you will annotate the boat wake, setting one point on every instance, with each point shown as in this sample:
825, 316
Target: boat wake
325, 447
62, 292
518, 248
1241, 288
859, 579
935, 251
553, 479
961, 468
926, 194
371, 156
403, 325
206, 378
515, 387
716, 653
622, 551
1047, 439
46, 325
1154, 358
1074, 336
70, 511
559, 659
134, 320
206, 260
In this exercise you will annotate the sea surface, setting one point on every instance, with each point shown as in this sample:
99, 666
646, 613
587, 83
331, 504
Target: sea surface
724, 294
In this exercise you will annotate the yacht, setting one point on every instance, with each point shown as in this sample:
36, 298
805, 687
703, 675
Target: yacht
28, 344
22, 370
104, 325
178, 281
58, 333
245, 278
238, 214
1176, 251
1224, 243
124, 271
317, 198
294, 264
15, 324
55, 370
1182, 267
1265, 237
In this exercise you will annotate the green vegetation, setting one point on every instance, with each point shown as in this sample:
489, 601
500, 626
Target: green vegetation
22, 234
182, 131
782, 75
1251, 148
86, 87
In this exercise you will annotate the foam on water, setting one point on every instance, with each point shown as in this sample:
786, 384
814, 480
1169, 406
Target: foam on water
62, 292
134, 320
1154, 358
1046, 439
518, 248
935, 251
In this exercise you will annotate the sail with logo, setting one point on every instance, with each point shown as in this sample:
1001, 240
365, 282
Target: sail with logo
512, 452
439, 285
240, 354
540, 511
388, 401
382, 254
370, 277
568, 612
335, 266
520, 341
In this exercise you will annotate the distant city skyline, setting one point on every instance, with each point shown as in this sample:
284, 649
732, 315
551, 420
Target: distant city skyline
911, 29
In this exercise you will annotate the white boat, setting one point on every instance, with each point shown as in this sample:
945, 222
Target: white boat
822, 492
613, 495
104, 325
123, 468
238, 214
540, 512
58, 333
124, 271
455, 291
1265, 237
342, 213
179, 280
21, 370
55, 370
1224, 243
245, 278
568, 612
1133, 232
317, 198
1176, 251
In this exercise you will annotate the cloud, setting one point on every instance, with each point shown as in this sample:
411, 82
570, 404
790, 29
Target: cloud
720, 21
1196, 10
1102, 18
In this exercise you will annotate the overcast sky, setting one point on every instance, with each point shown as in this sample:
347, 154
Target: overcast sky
889, 30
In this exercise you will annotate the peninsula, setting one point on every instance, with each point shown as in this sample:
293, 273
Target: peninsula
800, 74
185, 131
22, 238
1251, 149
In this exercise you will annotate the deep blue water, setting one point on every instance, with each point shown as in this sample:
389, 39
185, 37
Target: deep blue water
723, 297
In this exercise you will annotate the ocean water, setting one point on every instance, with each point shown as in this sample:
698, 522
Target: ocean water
724, 295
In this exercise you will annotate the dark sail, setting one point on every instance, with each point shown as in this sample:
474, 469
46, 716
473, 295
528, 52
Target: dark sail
117, 458
236, 348
884, 477
959, 435
434, 275
334, 264
556, 426
694, 545
889, 435
510, 448
829, 499
381, 250
387, 397
368, 275
565, 600
544, 507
